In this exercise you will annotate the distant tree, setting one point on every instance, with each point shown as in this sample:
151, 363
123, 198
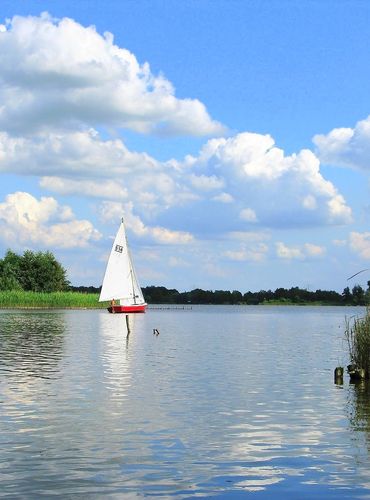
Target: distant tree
358, 295
160, 295
85, 289
328, 296
367, 294
198, 296
280, 293
236, 297
250, 298
347, 295
221, 297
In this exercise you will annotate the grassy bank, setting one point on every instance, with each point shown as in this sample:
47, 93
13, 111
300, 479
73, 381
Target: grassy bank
21, 299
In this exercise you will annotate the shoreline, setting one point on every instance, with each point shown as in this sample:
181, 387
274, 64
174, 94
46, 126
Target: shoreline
163, 306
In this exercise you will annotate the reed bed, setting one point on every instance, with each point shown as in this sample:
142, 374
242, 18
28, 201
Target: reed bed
34, 300
357, 334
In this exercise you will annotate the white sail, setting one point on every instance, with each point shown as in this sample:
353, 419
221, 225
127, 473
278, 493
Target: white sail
120, 281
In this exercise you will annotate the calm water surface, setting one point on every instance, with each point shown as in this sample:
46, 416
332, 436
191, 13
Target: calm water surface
227, 402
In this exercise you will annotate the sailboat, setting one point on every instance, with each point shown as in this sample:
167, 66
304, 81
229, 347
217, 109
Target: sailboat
120, 283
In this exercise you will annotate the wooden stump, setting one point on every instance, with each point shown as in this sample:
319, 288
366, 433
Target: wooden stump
338, 375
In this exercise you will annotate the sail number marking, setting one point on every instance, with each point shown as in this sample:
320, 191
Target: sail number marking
119, 248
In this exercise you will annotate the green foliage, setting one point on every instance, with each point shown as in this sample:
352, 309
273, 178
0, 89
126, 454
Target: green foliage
294, 295
160, 295
358, 295
33, 271
347, 296
10, 272
358, 339
9, 282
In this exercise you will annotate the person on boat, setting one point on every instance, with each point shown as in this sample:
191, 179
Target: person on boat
112, 303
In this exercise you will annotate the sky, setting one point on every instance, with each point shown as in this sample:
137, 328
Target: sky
232, 136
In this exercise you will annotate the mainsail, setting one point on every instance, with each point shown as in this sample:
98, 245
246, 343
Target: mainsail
120, 280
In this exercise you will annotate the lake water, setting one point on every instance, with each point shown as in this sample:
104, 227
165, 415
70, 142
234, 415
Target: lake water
226, 402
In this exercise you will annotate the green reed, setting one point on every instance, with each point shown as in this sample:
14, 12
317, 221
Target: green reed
22, 299
357, 333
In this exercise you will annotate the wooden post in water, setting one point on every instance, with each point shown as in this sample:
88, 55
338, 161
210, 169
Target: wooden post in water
127, 325
338, 375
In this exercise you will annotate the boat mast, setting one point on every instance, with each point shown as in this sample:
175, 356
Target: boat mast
133, 285
130, 263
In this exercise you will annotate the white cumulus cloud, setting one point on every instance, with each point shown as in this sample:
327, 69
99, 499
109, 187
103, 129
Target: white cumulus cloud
248, 214
24, 220
223, 198
67, 74
246, 174
110, 211
252, 253
285, 252
346, 147
205, 183
283, 190
82, 163
314, 250
69, 154
360, 243
307, 250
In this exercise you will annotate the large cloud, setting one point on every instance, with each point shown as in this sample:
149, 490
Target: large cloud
81, 163
346, 147
24, 220
232, 184
78, 153
264, 186
70, 75
59, 73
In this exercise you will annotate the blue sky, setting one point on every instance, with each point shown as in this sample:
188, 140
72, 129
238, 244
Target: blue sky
233, 136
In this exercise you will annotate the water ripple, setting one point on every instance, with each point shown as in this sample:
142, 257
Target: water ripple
225, 402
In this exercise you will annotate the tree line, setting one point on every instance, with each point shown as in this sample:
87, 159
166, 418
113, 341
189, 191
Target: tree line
41, 272
295, 295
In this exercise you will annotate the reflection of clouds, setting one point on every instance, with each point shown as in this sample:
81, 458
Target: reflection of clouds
202, 409
257, 484
31, 344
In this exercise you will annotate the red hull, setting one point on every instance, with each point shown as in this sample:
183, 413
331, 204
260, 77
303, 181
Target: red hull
128, 309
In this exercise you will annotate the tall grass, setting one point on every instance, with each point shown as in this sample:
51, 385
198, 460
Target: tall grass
22, 299
357, 334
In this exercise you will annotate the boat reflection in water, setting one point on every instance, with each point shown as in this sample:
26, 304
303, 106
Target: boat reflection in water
114, 351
